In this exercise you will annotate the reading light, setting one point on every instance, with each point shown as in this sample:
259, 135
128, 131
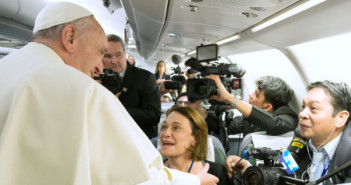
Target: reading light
193, 8
287, 14
229, 39
171, 35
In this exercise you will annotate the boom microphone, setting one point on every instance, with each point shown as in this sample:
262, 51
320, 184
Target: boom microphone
176, 59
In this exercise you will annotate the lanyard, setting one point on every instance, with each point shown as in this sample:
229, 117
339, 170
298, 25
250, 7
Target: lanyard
325, 169
191, 166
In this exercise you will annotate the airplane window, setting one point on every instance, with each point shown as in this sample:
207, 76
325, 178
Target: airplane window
254, 63
326, 59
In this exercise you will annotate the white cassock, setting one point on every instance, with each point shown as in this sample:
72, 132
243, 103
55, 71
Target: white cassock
60, 127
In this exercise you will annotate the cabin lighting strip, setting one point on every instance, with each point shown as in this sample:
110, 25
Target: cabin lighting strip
287, 14
229, 39
191, 52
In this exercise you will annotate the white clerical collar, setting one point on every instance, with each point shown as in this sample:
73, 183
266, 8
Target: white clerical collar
330, 147
123, 72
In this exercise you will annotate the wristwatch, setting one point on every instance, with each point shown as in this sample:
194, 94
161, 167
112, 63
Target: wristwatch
237, 98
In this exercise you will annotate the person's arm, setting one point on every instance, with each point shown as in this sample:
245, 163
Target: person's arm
283, 120
167, 176
272, 124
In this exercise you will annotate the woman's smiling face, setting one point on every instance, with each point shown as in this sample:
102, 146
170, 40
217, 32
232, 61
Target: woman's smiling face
176, 136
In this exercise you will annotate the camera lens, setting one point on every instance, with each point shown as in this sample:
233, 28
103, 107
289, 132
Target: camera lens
253, 179
201, 88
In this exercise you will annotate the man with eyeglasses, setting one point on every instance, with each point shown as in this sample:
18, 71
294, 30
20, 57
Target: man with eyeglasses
324, 120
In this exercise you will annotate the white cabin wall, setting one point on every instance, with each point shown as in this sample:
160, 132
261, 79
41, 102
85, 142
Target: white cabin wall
325, 59
274, 63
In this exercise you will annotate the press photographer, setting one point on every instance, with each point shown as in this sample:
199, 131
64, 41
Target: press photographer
267, 109
177, 79
111, 80
326, 158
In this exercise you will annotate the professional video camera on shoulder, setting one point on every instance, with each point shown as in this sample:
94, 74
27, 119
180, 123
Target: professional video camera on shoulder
203, 88
177, 79
111, 80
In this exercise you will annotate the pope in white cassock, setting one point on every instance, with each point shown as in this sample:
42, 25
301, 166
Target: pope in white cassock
60, 127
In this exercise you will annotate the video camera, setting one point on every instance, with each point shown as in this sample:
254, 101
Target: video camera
177, 79
203, 88
272, 171
111, 80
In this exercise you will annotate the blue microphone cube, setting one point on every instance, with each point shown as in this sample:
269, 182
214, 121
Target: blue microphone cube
289, 162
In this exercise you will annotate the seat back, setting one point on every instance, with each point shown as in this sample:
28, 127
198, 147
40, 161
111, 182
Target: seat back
219, 152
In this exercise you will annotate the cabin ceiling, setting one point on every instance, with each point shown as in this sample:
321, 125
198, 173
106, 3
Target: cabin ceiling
153, 21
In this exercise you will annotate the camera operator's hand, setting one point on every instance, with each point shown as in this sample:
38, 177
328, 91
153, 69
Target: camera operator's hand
162, 89
224, 95
234, 164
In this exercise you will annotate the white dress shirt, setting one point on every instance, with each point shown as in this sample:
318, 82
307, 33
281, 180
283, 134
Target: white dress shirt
321, 158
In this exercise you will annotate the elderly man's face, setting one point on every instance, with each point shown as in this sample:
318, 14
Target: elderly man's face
89, 50
115, 57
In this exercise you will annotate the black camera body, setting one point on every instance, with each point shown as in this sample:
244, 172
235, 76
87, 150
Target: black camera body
203, 88
177, 79
269, 173
111, 80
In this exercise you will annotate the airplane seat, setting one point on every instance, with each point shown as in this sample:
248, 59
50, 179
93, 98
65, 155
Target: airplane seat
261, 139
219, 152
215, 151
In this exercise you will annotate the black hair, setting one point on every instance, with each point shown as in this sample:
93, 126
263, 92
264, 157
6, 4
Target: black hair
339, 92
276, 91
115, 38
183, 94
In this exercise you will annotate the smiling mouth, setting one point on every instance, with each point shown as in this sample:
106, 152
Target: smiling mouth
167, 144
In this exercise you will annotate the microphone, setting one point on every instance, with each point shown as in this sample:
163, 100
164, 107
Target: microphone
176, 59
194, 64
297, 148
342, 167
